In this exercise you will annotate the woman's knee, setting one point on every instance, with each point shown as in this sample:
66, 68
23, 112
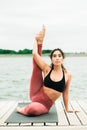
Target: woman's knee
33, 111
36, 109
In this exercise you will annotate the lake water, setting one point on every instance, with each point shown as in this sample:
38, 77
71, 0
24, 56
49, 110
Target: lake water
15, 72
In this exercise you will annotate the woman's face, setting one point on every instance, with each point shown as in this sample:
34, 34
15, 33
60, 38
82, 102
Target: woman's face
57, 58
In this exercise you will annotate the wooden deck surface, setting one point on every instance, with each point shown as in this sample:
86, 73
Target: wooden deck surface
69, 121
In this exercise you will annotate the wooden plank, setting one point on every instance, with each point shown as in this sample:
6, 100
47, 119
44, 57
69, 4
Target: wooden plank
2, 103
45, 128
62, 120
26, 124
5, 108
72, 118
12, 106
83, 105
13, 124
82, 116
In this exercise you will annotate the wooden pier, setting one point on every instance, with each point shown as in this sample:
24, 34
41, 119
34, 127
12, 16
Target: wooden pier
69, 121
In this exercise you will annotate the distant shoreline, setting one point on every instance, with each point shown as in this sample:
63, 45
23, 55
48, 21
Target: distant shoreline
29, 52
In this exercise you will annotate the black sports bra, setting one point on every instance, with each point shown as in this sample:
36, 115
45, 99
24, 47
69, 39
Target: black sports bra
58, 86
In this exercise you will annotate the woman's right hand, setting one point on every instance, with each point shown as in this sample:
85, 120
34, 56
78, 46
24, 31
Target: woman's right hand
72, 111
40, 36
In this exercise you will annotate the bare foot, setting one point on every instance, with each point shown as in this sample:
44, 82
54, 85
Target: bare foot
40, 36
20, 110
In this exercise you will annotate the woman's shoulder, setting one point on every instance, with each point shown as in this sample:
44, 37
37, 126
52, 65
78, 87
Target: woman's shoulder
68, 74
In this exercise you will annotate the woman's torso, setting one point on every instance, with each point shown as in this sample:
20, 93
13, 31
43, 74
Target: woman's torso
52, 94
54, 91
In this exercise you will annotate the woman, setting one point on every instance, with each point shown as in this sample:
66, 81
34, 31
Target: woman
46, 89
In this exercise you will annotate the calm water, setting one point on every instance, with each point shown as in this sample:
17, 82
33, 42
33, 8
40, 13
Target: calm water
15, 72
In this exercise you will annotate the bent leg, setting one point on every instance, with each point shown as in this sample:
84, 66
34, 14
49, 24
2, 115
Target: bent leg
35, 108
40, 104
36, 81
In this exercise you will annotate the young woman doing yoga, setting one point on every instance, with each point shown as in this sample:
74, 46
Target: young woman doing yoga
46, 87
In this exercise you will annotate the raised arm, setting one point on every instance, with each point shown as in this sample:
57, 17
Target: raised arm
38, 41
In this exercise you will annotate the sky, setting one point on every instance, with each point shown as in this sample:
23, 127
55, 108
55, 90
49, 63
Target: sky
65, 21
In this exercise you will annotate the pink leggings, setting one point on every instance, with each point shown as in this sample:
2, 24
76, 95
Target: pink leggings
41, 103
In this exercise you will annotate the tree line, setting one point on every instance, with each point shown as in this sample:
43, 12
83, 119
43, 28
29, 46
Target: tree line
24, 51
29, 51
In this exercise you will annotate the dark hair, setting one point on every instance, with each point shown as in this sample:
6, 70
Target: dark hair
63, 55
